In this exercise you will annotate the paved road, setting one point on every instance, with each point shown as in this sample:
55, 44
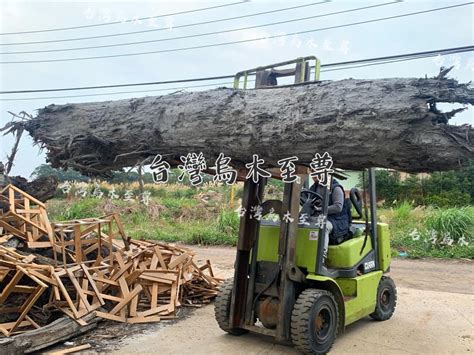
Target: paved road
435, 315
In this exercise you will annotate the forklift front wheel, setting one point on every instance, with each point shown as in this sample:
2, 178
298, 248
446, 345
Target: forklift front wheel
222, 308
386, 299
314, 321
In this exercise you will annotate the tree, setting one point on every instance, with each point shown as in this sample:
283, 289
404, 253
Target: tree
45, 170
388, 185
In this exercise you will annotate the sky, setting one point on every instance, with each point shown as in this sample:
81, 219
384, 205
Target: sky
431, 31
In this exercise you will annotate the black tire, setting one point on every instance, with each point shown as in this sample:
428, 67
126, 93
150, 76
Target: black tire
314, 321
386, 299
222, 308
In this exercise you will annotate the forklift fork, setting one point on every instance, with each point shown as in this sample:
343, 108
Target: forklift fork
242, 308
244, 297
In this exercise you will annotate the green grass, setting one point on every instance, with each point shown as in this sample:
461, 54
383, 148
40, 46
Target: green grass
402, 212
453, 222
87, 207
203, 216
428, 232
187, 215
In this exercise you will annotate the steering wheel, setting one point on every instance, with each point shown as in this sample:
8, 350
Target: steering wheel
310, 196
356, 200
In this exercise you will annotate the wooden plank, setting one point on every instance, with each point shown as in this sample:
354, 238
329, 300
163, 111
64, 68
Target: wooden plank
33, 323
154, 261
12, 229
8, 289
31, 223
154, 295
68, 312
92, 284
77, 243
105, 280
39, 245
74, 349
156, 279
24, 194
85, 291
23, 289
28, 211
111, 317
26, 308
138, 320
79, 292
133, 306
133, 276
127, 299
180, 259
6, 328
66, 296
162, 275
165, 308
42, 277
11, 197
110, 297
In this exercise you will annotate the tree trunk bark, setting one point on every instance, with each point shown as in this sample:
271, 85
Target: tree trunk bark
392, 123
35, 340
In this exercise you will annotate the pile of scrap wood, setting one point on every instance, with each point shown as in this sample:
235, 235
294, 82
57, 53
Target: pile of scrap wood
80, 269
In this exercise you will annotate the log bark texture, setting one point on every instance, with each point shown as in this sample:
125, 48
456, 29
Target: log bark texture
35, 340
392, 123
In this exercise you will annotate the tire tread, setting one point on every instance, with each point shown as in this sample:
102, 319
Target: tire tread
378, 314
300, 318
222, 308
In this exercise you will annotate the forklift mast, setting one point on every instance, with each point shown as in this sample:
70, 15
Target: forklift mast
268, 75
286, 274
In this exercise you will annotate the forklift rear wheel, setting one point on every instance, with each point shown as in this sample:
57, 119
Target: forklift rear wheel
314, 321
222, 308
386, 299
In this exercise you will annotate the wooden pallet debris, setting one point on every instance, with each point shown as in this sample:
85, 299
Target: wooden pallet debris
21, 305
89, 268
78, 240
26, 217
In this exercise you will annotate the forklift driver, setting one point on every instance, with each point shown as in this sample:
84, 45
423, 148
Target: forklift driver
338, 217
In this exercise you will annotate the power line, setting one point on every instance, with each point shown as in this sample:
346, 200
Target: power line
121, 85
125, 21
400, 57
182, 88
167, 28
392, 61
237, 42
344, 65
121, 92
202, 34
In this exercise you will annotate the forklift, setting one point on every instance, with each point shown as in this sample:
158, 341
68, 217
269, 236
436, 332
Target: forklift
283, 287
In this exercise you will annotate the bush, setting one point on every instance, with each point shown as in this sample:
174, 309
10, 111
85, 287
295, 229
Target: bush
455, 223
228, 222
402, 212
83, 208
430, 232
449, 199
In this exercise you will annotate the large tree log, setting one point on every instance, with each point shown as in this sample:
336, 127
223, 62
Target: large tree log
391, 123
42, 188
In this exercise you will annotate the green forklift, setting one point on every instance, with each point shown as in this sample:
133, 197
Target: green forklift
282, 285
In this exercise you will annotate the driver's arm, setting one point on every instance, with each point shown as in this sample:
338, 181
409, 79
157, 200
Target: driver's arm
337, 201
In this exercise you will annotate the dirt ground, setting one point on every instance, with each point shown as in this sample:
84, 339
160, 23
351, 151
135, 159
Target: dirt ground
434, 315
